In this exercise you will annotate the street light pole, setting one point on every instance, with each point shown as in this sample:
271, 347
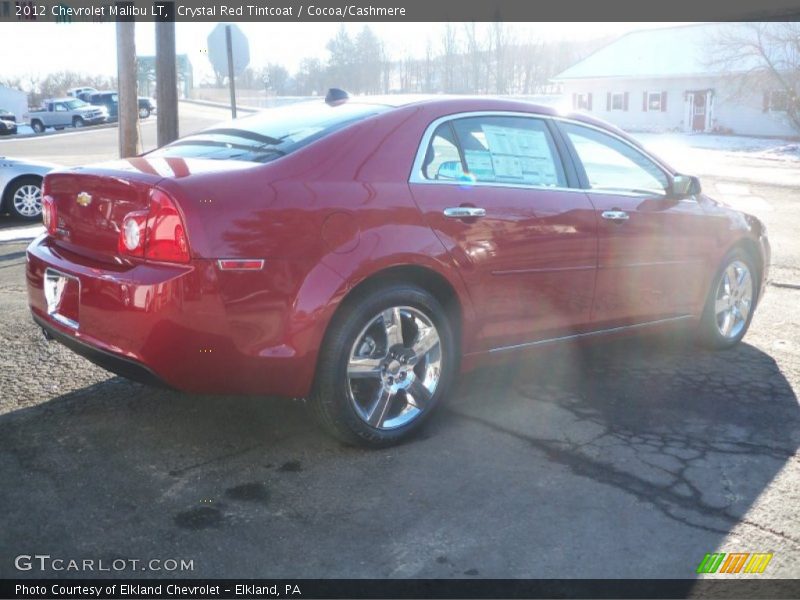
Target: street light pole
128, 102
166, 78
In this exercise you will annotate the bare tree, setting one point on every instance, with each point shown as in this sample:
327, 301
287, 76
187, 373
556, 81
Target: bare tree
449, 56
275, 79
475, 56
341, 65
499, 44
765, 58
368, 62
311, 77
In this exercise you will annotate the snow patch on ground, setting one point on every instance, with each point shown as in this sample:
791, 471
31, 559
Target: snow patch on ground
787, 152
20, 233
759, 160
753, 146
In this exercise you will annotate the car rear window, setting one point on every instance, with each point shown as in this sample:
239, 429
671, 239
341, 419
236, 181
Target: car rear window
269, 134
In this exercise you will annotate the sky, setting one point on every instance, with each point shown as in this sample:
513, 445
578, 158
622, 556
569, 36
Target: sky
40, 48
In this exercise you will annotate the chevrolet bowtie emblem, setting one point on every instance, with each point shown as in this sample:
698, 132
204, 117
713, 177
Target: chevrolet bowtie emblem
84, 199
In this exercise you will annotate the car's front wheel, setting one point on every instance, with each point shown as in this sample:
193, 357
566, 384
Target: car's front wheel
24, 198
78, 122
386, 362
144, 112
730, 303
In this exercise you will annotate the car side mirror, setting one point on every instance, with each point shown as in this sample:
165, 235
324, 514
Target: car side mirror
450, 170
684, 186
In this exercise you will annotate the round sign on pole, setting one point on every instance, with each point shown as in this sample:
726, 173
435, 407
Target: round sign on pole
218, 53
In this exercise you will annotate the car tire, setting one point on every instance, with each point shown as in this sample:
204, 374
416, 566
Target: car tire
144, 113
78, 122
23, 198
730, 303
37, 126
387, 360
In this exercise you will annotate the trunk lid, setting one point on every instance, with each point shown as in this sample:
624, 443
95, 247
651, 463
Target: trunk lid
92, 202
91, 206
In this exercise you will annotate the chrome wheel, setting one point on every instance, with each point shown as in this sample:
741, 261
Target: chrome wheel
733, 300
28, 200
394, 368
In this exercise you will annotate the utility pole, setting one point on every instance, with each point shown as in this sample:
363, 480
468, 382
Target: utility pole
166, 78
128, 100
231, 78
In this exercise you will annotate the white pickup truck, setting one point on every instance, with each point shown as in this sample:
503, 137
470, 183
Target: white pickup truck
66, 112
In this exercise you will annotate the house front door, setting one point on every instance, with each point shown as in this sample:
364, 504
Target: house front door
699, 112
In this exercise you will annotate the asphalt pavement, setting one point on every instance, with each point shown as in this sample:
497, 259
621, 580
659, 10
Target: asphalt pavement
72, 147
632, 458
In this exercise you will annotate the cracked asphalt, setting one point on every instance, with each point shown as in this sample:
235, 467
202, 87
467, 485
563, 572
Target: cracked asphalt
630, 458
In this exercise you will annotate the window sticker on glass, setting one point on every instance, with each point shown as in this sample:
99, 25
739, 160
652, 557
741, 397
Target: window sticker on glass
520, 155
507, 167
479, 164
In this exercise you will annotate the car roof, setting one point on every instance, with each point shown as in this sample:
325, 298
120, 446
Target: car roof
471, 103
450, 104
399, 100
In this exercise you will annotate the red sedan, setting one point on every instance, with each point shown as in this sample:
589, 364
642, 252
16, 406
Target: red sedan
360, 254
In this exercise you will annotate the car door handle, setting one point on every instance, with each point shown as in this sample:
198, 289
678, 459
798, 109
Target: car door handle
615, 215
464, 212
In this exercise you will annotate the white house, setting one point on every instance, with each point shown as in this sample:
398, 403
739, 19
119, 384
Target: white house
14, 101
665, 80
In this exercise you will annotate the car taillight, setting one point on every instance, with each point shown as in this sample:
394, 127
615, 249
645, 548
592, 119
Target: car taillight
155, 234
49, 216
166, 234
133, 234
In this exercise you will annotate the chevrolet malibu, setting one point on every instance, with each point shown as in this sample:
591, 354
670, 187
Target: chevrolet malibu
361, 254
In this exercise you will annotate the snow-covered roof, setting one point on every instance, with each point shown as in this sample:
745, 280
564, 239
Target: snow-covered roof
666, 52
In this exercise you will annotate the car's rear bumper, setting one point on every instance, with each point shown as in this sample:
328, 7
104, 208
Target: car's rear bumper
126, 367
173, 325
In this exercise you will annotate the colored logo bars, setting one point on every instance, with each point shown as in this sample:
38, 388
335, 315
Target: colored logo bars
736, 562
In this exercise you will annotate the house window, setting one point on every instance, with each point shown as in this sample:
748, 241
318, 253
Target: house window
582, 101
777, 100
654, 101
617, 101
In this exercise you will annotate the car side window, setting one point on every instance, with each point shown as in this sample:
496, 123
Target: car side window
509, 150
442, 160
60, 107
494, 149
612, 165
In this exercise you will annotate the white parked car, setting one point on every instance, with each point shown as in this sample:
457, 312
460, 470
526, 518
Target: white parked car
21, 187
